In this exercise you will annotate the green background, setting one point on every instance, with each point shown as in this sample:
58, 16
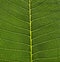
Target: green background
15, 31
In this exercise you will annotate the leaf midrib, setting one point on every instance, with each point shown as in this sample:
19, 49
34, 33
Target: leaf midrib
30, 20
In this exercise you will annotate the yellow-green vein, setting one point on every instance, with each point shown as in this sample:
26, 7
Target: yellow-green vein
30, 20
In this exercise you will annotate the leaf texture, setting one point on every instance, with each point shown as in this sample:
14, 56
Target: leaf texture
14, 31
46, 30
29, 31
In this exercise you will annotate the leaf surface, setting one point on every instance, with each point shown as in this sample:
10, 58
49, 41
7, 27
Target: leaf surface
29, 31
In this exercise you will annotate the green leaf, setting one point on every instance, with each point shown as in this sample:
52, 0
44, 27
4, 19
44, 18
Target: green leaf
29, 31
